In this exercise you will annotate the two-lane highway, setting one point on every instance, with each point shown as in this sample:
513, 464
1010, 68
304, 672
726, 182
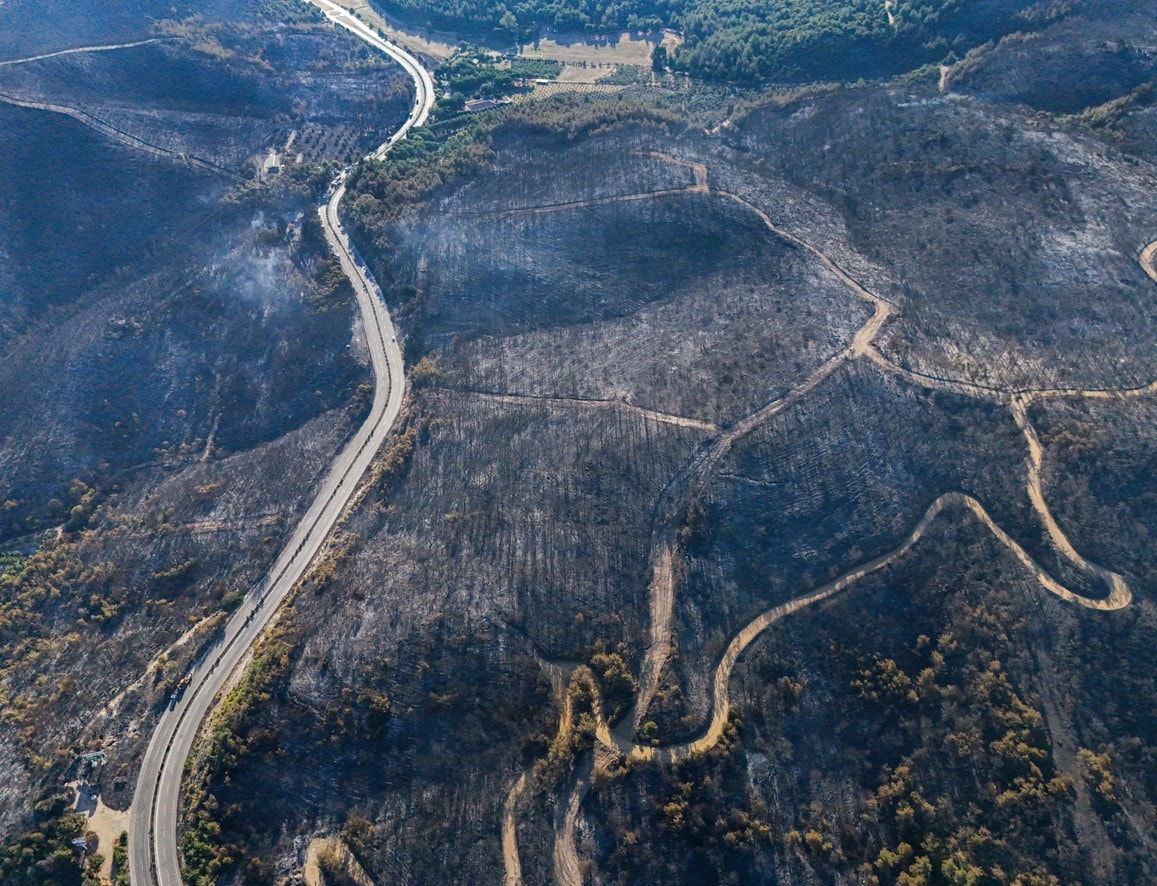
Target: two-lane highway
423, 81
154, 857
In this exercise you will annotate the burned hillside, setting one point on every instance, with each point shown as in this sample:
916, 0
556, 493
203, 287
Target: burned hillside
769, 500
178, 361
612, 468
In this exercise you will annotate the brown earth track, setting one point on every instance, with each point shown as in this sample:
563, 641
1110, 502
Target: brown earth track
669, 508
83, 49
666, 418
559, 676
1148, 260
566, 858
664, 548
1119, 597
567, 866
109, 131
678, 491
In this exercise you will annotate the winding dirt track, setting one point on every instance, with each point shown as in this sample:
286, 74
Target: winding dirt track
116, 134
1119, 597
1118, 590
666, 418
513, 867
567, 867
82, 49
559, 676
669, 508
664, 548
1149, 260
675, 496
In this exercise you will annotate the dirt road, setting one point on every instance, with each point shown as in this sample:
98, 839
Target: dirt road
1119, 597
665, 550
1149, 260
109, 131
666, 418
680, 490
565, 854
82, 49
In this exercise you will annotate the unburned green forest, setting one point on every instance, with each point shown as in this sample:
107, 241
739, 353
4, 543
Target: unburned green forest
749, 42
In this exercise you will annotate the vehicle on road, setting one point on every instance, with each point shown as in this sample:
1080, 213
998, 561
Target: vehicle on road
154, 856
179, 691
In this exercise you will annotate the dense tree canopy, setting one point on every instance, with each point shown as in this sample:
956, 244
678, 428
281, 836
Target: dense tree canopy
758, 40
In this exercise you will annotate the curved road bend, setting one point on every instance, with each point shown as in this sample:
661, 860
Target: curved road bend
154, 859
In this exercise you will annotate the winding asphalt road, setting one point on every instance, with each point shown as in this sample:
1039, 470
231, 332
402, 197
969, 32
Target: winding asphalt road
154, 858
